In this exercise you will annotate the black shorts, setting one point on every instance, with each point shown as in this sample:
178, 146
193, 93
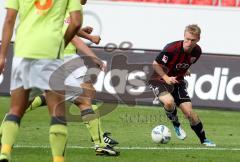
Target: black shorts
178, 91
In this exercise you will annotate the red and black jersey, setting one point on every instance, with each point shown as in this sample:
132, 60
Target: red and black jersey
175, 61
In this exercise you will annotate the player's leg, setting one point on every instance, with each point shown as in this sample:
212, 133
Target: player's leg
92, 120
58, 126
37, 102
51, 77
163, 92
1, 127
183, 100
41, 101
195, 123
106, 135
10, 126
171, 112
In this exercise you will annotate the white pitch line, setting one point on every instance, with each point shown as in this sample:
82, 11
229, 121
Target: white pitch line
140, 148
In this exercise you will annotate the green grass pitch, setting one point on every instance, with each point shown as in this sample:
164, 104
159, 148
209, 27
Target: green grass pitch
131, 126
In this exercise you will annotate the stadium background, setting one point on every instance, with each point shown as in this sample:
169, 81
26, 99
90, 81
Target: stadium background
144, 27
138, 30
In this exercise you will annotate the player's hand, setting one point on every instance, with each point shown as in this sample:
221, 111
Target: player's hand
170, 80
2, 64
103, 66
188, 73
87, 29
95, 39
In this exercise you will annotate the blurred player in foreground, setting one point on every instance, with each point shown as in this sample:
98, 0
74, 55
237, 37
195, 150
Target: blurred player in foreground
39, 46
103, 143
82, 97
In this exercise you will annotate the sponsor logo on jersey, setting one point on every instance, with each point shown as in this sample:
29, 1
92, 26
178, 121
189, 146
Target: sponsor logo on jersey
165, 59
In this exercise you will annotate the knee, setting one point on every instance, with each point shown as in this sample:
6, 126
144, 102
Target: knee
169, 104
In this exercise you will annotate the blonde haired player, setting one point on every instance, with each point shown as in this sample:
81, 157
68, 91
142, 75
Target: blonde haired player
168, 84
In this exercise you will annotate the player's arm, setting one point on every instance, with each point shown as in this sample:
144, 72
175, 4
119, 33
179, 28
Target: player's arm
75, 24
87, 29
159, 70
81, 46
93, 38
159, 65
7, 33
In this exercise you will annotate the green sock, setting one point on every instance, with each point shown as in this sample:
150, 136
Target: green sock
58, 140
1, 126
95, 109
37, 102
9, 134
94, 128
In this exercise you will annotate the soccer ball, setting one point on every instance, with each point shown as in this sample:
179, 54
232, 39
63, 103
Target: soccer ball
161, 134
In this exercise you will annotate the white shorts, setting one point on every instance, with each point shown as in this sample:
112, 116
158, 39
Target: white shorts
77, 71
44, 74
33, 74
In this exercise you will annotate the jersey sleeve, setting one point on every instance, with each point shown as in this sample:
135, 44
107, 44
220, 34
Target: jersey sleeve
164, 57
74, 5
12, 4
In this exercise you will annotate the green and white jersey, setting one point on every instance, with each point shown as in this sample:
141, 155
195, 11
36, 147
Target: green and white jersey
39, 32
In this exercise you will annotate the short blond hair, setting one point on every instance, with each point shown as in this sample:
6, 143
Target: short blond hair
194, 29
